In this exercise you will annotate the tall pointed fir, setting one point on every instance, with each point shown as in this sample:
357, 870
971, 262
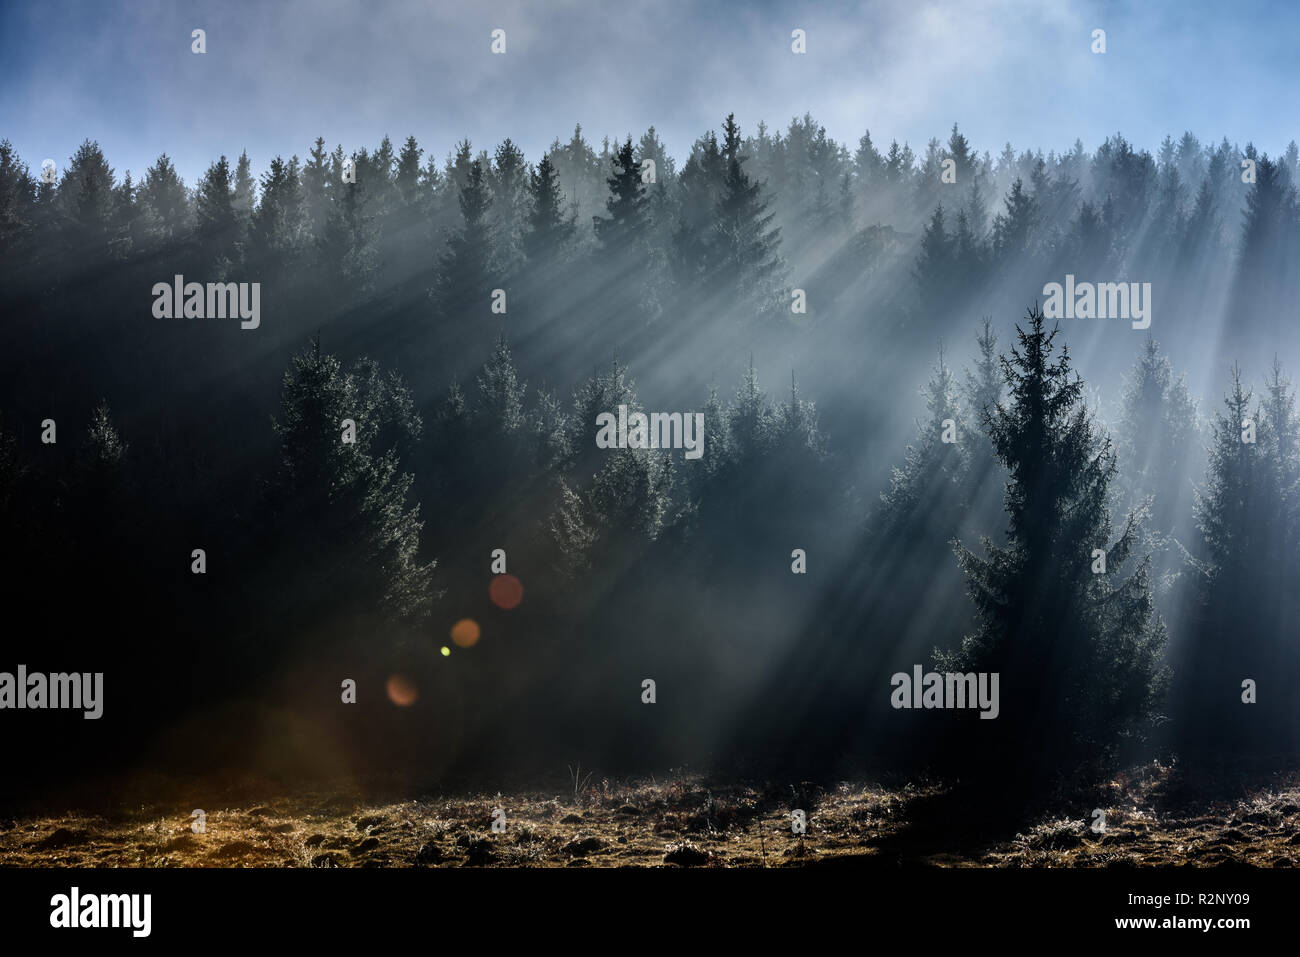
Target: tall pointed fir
1061, 617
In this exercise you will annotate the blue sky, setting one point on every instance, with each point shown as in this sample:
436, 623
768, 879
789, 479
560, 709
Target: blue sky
278, 74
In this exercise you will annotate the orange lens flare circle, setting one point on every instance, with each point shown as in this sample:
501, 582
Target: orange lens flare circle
465, 633
401, 691
506, 591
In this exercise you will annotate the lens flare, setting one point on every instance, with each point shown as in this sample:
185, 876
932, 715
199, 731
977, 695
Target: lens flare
506, 591
465, 633
401, 691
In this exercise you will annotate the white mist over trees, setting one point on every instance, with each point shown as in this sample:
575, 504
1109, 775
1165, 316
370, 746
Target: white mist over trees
473, 316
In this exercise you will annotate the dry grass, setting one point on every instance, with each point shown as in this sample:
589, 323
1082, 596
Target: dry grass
687, 822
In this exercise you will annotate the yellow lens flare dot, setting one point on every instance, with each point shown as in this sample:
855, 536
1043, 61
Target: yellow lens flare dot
465, 633
445, 651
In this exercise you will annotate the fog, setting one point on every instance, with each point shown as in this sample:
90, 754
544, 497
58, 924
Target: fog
900, 467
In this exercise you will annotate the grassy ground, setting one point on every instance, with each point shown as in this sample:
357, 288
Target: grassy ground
689, 821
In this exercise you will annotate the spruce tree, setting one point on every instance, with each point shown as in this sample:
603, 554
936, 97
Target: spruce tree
86, 200
17, 198
407, 178
1245, 586
549, 228
246, 189
278, 228
620, 231
216, 219
466, 271
1014, 228
1156, 436
924, 498
744, 241
350, 536
320, 181
934, 266
1076, 643
508, 180
163, 196
347, 245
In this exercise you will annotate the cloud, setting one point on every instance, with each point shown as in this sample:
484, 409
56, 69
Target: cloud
278, 75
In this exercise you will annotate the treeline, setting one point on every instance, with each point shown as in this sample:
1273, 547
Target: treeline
731, 230
326, 559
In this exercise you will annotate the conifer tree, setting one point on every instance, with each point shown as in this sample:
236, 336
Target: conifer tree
216, 219
320, 181
351, 535
549, 228
17, 199
246, 188
163, 196
924, 498
278, 228
466, 271
85, 198
407, 178
346, 246
934, 265
621, 229
1076, 643
744, 241
1157, 434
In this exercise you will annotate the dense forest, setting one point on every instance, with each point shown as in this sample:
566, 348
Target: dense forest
904, 462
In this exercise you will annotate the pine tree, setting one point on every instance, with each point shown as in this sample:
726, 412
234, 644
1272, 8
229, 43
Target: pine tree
934, 265
924, 499
466, 271
750, 422
700, 186
216, 219
123, 225
508, 180
246, 188
164, 198
346, 245
622, 228
500, 393
407, 178
1157, 431
350, 536
1267, 247
1076, 648
602, 392
1202, 231
17, 199
982, 391
1240, 597
376, 175
744, 241
278, 228
549, 229
570, 525
1013, 229
85, 198
320, 180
